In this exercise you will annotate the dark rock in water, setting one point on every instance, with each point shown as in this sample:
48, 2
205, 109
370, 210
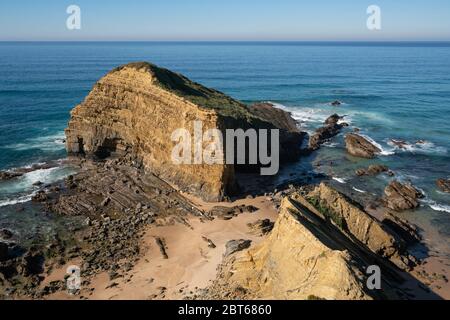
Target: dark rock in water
361, 172
443, 184
400, 143
336, 103
372, 170
6, 234
323, 134
359, 147
400, 196
8, 175
41, 196
38, 183
233, 246
3, 251
333, 119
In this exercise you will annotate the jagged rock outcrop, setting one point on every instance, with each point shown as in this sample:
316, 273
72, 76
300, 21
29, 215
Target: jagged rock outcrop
444, 185
298, 260
133, 111
351, 218
401, 196
358, 146
328, 131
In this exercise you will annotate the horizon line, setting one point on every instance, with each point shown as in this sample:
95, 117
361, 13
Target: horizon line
243, 41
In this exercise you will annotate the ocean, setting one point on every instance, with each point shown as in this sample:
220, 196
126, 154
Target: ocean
389, 91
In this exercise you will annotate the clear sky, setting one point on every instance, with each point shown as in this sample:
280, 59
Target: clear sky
225, 20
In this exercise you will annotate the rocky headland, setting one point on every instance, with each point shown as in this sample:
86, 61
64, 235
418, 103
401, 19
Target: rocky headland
151, 229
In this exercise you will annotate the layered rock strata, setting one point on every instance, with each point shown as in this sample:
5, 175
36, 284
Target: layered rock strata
134, 109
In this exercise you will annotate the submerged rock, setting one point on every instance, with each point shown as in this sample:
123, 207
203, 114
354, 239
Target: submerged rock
399, 196
444, 184
336, 103
358, 146
373, 170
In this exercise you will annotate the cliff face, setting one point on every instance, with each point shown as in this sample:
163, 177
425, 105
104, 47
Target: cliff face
133, 111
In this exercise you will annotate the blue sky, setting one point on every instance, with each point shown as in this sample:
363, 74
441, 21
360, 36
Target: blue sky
225, 20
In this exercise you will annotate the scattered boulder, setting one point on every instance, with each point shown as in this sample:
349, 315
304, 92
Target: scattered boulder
233, 246
444, 185
227, 213
261, 227
399, 196
358, 146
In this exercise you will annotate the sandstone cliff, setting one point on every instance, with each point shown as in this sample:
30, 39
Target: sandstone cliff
133, 110
318, 250
298, 260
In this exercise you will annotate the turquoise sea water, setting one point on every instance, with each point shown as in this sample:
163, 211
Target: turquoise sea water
390, 91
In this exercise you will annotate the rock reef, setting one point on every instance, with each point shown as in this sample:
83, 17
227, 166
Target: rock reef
359, 146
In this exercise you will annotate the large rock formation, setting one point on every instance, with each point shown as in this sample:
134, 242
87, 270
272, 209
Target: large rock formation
296, 261
351, 218
358, 146
399, 196
318, 250
134, 110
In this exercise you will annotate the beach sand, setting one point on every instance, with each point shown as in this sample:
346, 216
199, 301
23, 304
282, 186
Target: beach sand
191, 263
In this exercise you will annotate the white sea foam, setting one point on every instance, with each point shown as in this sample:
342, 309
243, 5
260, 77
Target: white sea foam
436, 206
340, 180
52, 142
426, 147
358, 190
383, 152
22, 199
24, 188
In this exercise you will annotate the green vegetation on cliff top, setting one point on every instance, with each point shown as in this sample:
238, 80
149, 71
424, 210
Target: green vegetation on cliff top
192, 91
